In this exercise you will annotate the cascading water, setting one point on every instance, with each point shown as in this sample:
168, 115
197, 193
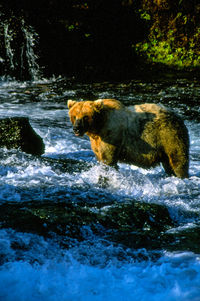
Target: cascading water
18, 42
8, 37
31, 38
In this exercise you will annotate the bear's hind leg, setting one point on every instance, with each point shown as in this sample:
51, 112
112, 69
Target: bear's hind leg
179, 165
175, 165
167, 167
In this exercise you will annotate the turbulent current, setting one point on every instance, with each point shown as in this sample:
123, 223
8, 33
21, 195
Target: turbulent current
66, 237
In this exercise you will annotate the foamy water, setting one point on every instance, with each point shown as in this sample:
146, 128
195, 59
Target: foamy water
37, 268
45, 272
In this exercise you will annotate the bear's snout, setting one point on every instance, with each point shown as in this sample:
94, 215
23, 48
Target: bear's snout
78, 128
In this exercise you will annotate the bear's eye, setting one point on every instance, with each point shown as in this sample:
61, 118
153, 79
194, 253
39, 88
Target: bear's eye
73, 119
85, 118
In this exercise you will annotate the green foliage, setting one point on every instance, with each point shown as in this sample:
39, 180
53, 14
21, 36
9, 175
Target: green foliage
144, 15
71, 27
166, 52
173, 41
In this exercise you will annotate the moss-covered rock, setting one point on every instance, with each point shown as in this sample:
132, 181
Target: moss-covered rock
16, 132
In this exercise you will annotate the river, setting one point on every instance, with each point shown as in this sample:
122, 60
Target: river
82, 262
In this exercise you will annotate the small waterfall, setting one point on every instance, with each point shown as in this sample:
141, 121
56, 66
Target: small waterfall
18, 43
31, 38
8, 37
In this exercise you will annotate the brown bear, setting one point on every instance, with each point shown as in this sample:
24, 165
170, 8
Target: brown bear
144, 135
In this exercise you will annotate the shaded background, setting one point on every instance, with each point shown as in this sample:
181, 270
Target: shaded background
115, 39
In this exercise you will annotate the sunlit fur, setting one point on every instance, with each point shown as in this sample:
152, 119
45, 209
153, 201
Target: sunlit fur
144, 135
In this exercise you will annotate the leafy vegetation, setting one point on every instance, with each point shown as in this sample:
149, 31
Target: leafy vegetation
174, 34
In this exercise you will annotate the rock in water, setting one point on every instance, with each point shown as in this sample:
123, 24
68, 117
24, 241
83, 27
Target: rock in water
16, 132
135, 224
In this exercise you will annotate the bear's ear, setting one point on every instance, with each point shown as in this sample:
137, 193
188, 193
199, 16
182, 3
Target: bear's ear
98, 105
70, 103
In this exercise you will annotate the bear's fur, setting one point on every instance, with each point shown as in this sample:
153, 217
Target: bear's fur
144, 135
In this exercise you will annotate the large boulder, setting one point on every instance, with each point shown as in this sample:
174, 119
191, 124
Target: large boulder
16, 132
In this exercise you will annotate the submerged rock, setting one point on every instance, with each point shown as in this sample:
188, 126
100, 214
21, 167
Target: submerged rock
16, 132
66, 165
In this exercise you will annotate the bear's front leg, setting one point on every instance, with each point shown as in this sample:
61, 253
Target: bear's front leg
105, 152
109, 162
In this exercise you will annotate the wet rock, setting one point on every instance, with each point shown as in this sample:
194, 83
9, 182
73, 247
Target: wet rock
16, 132
134, 225
186, 239
138, 224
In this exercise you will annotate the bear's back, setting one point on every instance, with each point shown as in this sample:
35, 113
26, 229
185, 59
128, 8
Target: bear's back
151, 108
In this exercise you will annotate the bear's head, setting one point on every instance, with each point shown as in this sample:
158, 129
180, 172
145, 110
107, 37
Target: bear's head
85, 115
